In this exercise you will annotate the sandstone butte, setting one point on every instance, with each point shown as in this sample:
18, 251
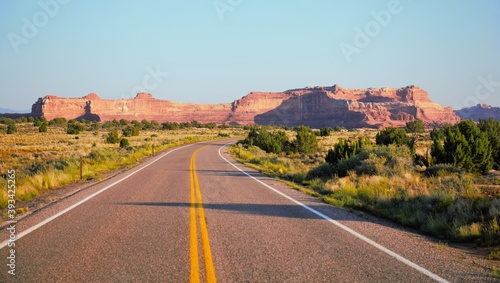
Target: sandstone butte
313, 106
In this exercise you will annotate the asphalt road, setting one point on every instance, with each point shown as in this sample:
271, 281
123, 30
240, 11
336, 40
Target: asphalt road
190, 214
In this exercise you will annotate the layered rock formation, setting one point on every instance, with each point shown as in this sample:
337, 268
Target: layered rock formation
143, 106
336, 106
480, 111
313, 106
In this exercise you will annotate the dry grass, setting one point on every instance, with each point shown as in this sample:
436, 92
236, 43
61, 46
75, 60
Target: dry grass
44, 161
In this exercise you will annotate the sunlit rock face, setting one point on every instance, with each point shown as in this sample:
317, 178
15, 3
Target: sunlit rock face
312, 106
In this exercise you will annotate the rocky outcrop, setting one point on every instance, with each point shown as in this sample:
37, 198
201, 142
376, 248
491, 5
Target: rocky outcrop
313, 106
480, 111
336, 106
143, 106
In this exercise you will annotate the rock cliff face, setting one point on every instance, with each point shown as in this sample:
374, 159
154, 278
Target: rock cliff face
143, 106
335, 106
313, 106
480, 111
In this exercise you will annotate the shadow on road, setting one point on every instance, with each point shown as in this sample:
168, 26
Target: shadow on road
220, 173
272, 210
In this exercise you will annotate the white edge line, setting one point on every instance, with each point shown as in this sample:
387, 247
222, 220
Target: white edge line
343, 227
40, 224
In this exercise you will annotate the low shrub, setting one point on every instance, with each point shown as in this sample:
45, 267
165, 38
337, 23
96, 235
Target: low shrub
442, 170
323, 172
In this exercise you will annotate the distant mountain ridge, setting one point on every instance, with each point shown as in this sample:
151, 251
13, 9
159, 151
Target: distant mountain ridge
313, 106
480, 111
10, 111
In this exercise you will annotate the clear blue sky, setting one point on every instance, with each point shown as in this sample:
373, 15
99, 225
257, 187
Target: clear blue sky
449, 48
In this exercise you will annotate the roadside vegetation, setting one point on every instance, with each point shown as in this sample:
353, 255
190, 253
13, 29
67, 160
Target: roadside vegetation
438, 181
47, 154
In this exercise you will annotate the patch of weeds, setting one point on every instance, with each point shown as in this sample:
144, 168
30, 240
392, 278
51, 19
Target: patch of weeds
22, 210
470, 232
436, 225
318, 185
494, 254
496, 271
441, 246
297, 177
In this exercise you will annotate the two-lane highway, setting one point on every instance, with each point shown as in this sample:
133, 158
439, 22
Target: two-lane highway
193, 214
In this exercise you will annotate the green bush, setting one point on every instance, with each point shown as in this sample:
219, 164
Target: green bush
437, 134
131, 131
6, 121
113, 137
74, 127
94, 127
100, 155
124, 143
11, 128
57, 121
324, 172
305, 141
111, 124
442, 170
43, 128
464, 146
276, 142
380, 160
492, 130
22, 119
325, 132
416, 126
298, 178
346, 148
392, 135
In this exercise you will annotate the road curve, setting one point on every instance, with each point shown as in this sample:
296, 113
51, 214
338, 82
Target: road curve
194, 214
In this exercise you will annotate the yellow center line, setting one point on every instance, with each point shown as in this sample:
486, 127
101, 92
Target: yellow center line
195, 198
193, 238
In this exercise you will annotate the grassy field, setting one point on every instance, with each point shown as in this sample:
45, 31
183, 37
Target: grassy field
384, 181
50, 160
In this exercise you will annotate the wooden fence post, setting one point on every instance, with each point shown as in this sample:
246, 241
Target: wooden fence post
81, 167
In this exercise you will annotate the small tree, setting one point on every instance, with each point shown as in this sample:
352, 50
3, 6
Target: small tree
416, 126
392, 135
276, 142
325, 132
492, 130
43, 128
124, 143
113, 137
305, 141
11, 128
74, 127
345, 149
464, 146
437, 134
131, 131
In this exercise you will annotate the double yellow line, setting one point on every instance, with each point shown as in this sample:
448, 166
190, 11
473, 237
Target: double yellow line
196, 202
